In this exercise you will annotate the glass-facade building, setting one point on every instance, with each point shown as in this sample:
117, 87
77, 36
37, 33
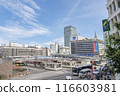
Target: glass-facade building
69, 31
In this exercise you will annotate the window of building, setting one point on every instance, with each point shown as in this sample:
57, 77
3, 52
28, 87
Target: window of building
115, 18
110, 9
114, 7
118, 4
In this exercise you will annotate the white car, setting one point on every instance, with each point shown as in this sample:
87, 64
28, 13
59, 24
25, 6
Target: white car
68, 78
96, 71
83, 73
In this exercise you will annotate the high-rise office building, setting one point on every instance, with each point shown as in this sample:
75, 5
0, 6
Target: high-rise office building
54, 48
113, 7
69, 31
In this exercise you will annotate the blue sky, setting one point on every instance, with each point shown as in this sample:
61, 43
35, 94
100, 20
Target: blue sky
43, 21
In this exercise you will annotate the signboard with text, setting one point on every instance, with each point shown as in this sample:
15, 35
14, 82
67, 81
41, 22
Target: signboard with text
105, 25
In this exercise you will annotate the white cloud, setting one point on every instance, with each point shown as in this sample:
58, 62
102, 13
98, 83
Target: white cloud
58, 40
19, 8
15, 32
28, 25
3, 41
32, 3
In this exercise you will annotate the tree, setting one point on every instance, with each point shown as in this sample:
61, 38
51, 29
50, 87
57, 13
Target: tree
112, 50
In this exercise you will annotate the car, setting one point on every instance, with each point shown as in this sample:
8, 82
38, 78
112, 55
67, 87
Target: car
68, 78
96, 71
83, 73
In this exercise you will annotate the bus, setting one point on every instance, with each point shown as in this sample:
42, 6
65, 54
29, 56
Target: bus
77, 69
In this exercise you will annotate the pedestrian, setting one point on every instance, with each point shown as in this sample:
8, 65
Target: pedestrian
94, 77
88, 77
110, 72
107, 76
97, 76
104, 77
101, 74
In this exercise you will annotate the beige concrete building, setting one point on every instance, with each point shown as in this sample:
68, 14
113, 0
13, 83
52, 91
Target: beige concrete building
64, 50
14, 49
113, 7
101, 49
46, 51
53, 66
19, 51
14, 44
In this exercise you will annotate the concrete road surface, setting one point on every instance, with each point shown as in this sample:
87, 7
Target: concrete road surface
42, 74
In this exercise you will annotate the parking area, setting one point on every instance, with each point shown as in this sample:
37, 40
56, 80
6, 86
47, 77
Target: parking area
42, 74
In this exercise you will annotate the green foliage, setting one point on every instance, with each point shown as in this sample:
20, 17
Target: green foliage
0, 56
117, 25
113, 49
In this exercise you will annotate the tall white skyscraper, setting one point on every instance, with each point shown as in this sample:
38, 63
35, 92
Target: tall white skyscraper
54, 48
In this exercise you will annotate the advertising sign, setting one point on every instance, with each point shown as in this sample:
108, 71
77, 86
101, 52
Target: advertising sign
74, 38
95, 47
105, 25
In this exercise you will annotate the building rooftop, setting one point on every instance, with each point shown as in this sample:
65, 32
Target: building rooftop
70, 26
86, 39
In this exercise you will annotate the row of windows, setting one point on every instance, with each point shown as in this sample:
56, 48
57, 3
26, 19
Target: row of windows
114, 6
86, 44
82, 51
83, 45
118, 4
82, 48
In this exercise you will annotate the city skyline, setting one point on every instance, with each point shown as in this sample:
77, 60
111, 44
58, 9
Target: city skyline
42, 22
